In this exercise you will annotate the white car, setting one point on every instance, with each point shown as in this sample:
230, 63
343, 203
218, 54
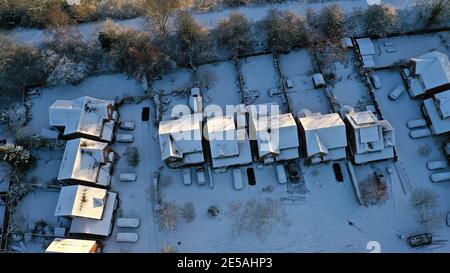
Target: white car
128, 177
187, 176
281, 174
201, 180
127, 237
440, 177
123, 138
237, 179
397, 92
436, 165
415, 123
128, 222
375, 81
127, 125
419, 133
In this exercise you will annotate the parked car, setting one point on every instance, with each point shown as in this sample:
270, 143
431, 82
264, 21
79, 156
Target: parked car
440, 177
419, 133
420, 240
128, 222
281, 174
237, 179
294, 175
123, 138
128, 177
127, 125
416, 123
201, 180
127, 237
397, 92
375, 81
436, 165
187, 176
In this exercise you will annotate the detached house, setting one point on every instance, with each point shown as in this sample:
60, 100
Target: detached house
91, 209
437, 111
324, 137
276, 135
369, 139
180, 140
87, 162
430, 74
84, 117
229, 146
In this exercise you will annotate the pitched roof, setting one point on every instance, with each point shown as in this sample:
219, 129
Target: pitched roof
323, 132
365, 46
433, 69
82, 160
81, 201
443, 103
66, 245
222, 136
84, 115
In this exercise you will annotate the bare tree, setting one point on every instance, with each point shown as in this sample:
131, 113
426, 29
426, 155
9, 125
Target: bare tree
434, 11
188, 212
380, 20
424, 199
167, 216
235, 34
373, 191
284, 30
132, 156
159, 12
331, 22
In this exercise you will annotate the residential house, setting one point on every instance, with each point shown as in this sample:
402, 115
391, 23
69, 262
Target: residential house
84, 117
369, 139
86, 162
275, 134
437, 111
91, 209
180, 140
229, 146
430, 74
324, 137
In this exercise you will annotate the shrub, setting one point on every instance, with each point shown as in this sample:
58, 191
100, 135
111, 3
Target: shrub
424, 199
188, 212
132, 156
14, 116
235, 34
167, 216
434, 12
380, 20
373, 191
16, 156
284, 30
67, 71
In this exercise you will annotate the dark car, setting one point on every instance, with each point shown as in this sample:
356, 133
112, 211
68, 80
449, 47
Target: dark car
420, 240
294, 175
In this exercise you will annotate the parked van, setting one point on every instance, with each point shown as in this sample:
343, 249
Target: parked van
419, 133
281, 174
128, 177
436, 165
187, 176
237, 179
127, 237
128, 222
122, 138
440, 177
415, 123
397, 92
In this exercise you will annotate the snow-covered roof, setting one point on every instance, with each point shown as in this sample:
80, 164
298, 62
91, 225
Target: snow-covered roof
228, 145
365, 46
81, 201
85, 115
323, 133
66, 245
84, 160
437, 109
101, 227
222, 136
443, 103
433, 68
182, 138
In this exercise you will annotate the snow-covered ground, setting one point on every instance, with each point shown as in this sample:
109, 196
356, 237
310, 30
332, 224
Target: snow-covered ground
409, 47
